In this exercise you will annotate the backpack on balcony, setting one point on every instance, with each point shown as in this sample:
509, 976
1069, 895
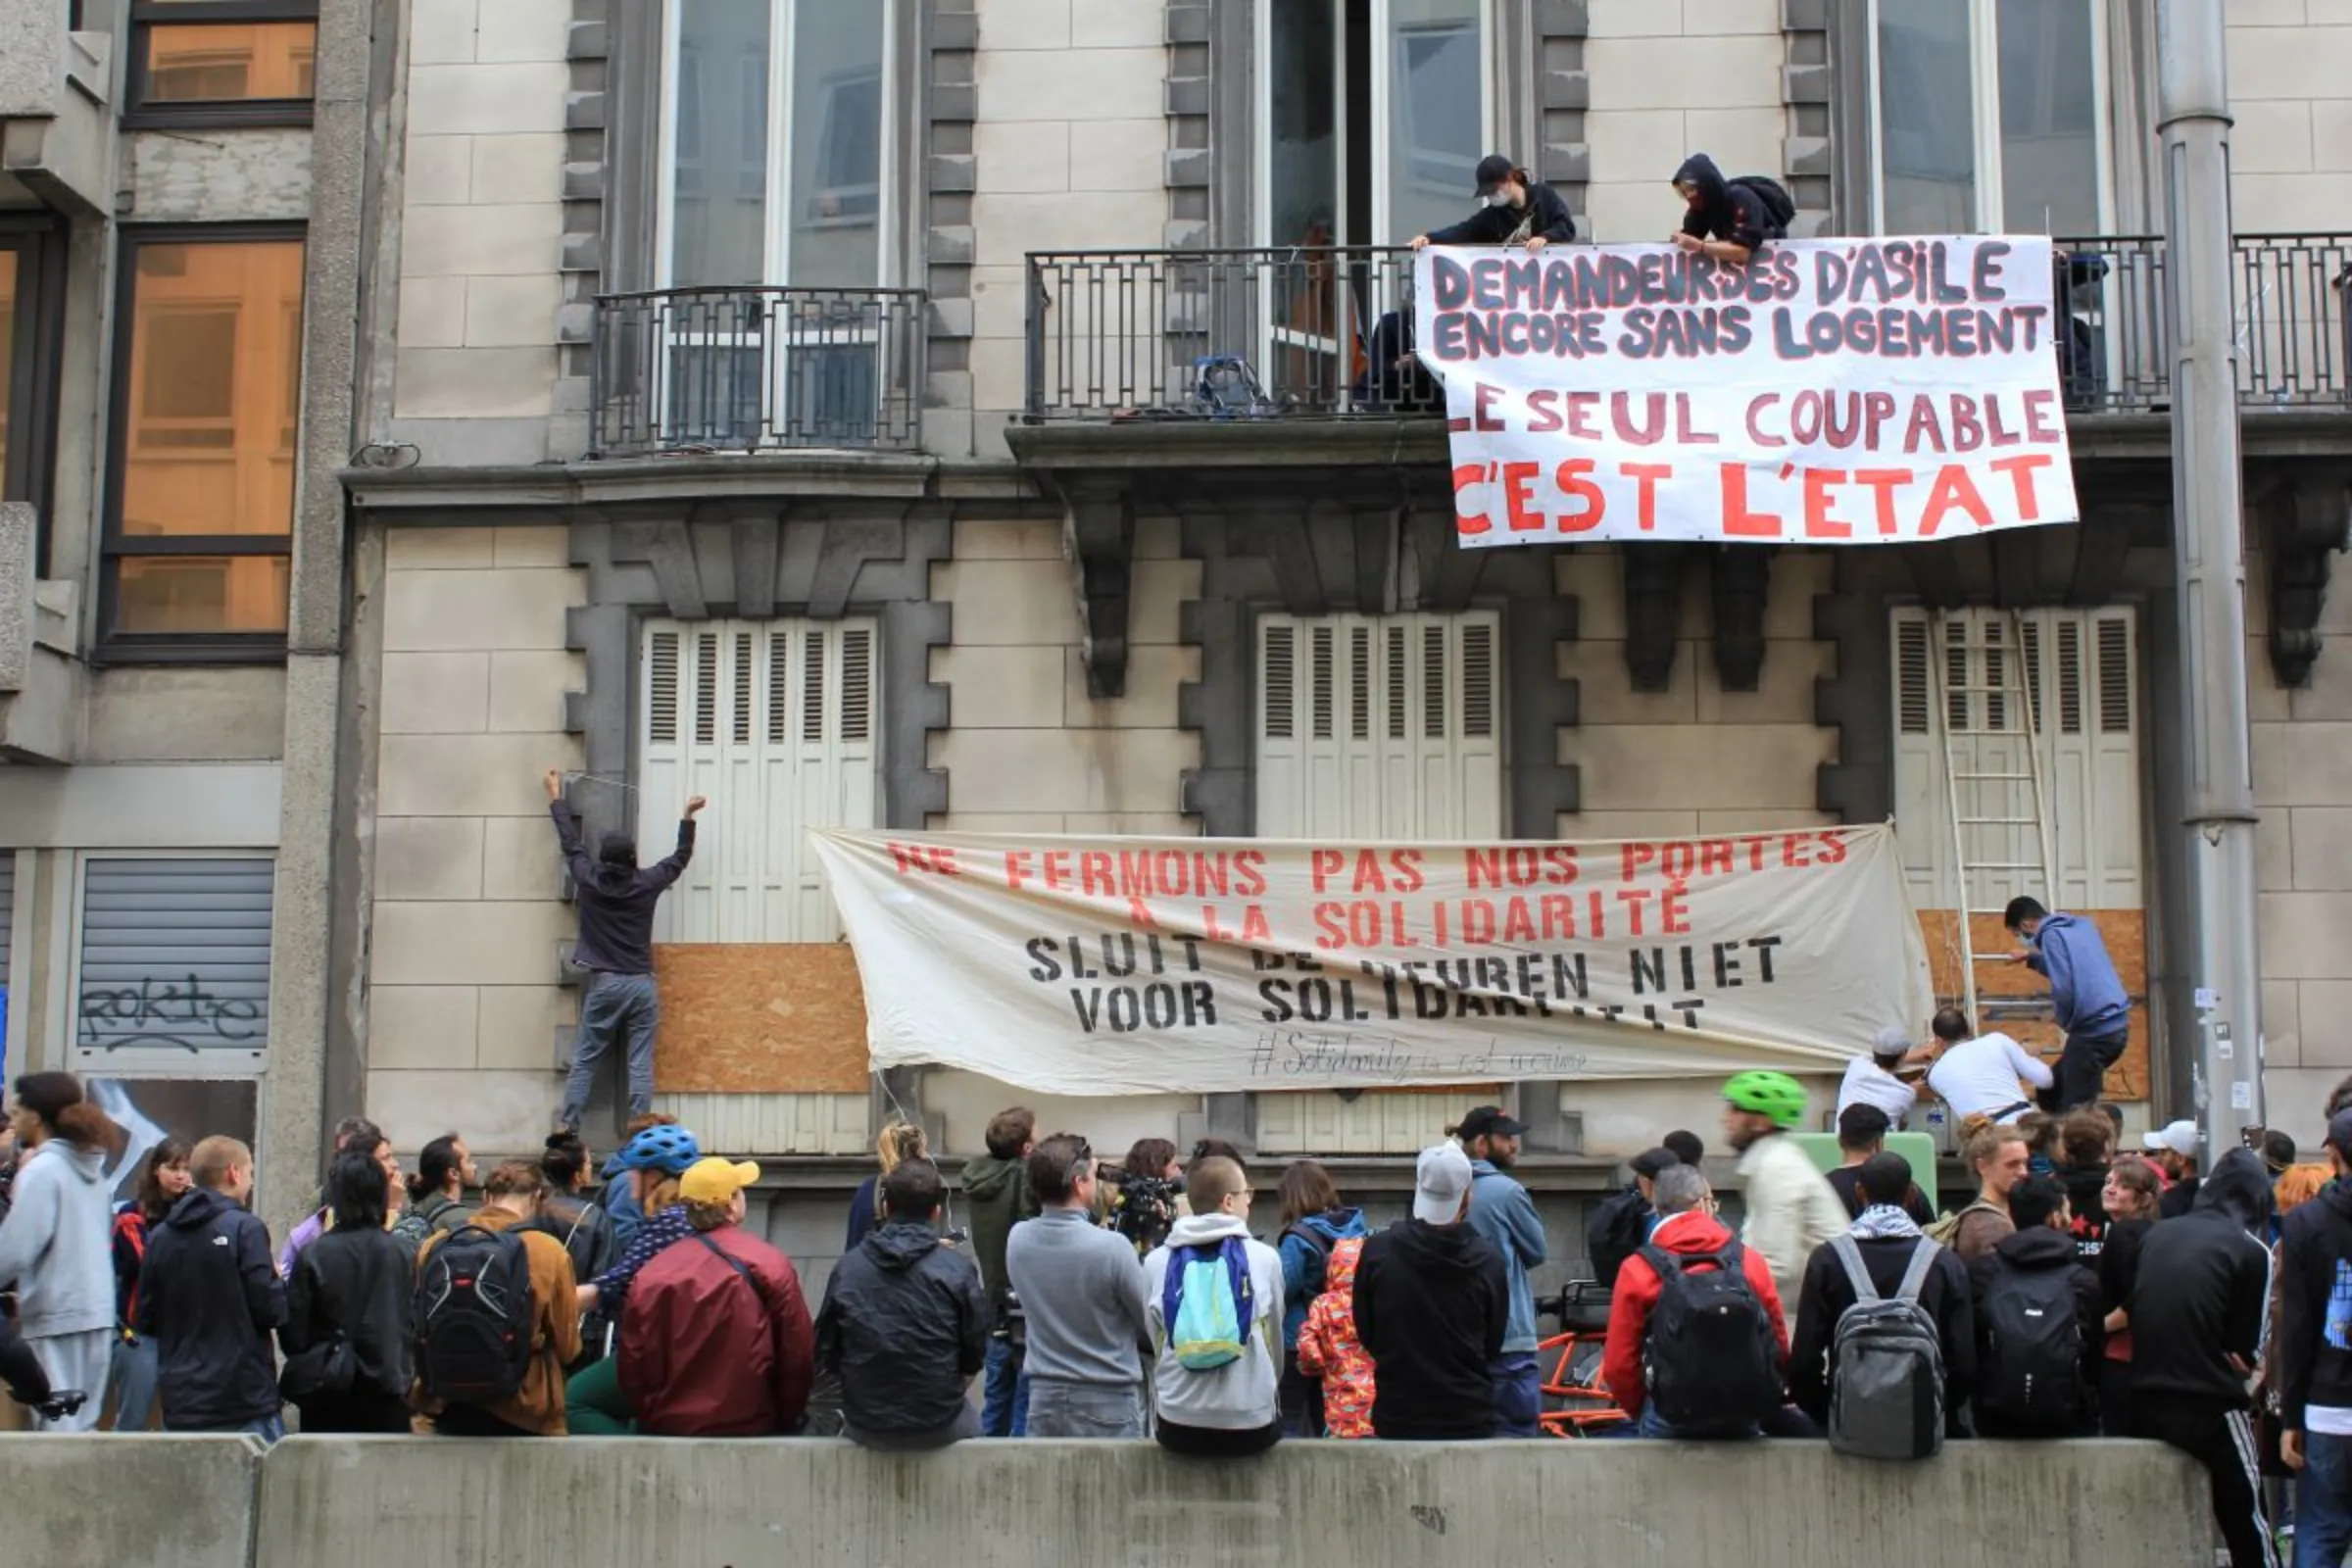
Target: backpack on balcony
1776, 199
1224, 387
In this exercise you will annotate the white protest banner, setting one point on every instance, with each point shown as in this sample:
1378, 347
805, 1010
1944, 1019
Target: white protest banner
1107, 966
1851, 391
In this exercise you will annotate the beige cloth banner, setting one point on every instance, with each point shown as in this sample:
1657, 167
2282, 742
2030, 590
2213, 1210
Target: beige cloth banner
1110, 966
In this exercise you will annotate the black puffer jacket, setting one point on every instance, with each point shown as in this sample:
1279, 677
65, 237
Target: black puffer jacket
1725, 211
904, 1326
209, 1296
2203, 1289
361, 1285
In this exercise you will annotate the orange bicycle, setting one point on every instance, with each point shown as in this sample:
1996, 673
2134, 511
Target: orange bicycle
1575, 1404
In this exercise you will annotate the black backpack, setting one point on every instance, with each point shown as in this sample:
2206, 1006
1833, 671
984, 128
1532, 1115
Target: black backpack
1711, 1359
2032, 1375
475, 1320
1619, 1227
1776, 199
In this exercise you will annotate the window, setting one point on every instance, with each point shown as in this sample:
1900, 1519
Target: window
172, 964
1992, 116
1373, 117
222, 61
206, 406
2017, 748
1380, 728
776, 721
31, 308
780, 126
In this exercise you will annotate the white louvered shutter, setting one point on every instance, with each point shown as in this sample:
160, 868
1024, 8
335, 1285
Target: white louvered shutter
2082, 678
1380, 728
775, 722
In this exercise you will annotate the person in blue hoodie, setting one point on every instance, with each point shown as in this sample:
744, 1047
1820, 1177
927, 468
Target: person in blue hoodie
1313, 1222
2086, 993
1501, 1212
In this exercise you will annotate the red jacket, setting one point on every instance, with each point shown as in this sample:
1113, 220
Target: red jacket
705, 1352
1636, 1294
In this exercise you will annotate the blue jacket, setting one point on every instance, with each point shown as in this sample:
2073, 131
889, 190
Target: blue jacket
1303, 1264
2085, 989
1501, 1212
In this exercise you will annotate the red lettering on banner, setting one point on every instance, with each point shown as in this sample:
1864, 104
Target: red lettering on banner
2021, 470
1953, 488
1738, 522
1518, 489
1882, 483
1650, 431
1480, 417
2038, 406
1324, 865
1686, 433
1581, 406
1469, 476
1250, 866
1715, 857
1017, 870
1674, 913
1478, 921
921, 859
1819, 524
1632, 858
1573, 485
1057, 870
1096, 873
1924, 425
1633, 899
2000, 434
1543, 411
1255, 929
1792, 851
1645, 493
1832, 849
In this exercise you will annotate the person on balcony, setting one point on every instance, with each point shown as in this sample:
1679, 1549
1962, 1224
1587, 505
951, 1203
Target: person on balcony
1729, 220
617, 902
1518, 209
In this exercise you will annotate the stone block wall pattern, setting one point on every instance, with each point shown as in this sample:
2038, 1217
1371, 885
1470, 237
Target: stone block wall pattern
467, 919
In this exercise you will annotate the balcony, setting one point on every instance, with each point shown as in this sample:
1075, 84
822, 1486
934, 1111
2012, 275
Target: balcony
1301, 336
713, 370
56, 137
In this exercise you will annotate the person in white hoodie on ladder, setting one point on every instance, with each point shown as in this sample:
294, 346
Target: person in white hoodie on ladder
56, 1248
1213, 1294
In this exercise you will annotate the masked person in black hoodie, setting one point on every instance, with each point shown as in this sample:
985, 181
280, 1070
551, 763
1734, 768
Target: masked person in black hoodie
1729, 220
616, 945
351, 1311
209, 1296
2199, 1303
2315, 1357
1432, 1307
1519, 209
905, 1325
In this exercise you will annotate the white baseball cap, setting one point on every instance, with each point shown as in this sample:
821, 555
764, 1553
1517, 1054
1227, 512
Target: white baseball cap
1441, 1176
2179, 1137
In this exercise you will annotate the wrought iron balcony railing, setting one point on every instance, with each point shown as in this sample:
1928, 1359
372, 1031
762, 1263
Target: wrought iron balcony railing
1328, 332
752, 370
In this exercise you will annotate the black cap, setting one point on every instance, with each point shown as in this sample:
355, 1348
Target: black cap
1492, 170
1489, 1120
1651, 1161
2339, 1132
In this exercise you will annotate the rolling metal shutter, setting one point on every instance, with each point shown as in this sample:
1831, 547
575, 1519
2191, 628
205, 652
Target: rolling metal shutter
175, 959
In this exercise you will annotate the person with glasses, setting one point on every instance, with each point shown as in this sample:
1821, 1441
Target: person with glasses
1214, 1296
1081, 1293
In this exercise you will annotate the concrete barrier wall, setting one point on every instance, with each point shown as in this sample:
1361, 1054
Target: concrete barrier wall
395, 1502
183, 1501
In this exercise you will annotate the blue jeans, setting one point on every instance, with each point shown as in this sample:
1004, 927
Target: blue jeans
616, 1006
1654, 1424
1003, 1394
1518, 1395
2323, 1502
133, 1378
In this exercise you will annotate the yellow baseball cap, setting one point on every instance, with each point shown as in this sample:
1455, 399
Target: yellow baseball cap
714, 1181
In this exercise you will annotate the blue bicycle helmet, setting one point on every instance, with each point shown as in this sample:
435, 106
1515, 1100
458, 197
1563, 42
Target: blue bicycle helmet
663, 1149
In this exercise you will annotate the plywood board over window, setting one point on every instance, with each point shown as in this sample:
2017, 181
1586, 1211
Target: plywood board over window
778, 723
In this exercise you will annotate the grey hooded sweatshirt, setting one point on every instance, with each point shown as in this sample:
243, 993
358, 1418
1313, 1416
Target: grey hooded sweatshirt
57, 1243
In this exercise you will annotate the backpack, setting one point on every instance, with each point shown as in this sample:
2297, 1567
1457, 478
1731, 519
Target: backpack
1618, 1229
2032, 1372
1710, 1358
1776, 199
1945, 1232
1205, 1304
1224, 385
475, 1320
1887, 1365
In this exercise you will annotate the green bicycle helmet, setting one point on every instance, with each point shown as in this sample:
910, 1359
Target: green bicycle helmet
1768, 1094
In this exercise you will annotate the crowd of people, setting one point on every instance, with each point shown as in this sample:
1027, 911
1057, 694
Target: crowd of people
2075, 1292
